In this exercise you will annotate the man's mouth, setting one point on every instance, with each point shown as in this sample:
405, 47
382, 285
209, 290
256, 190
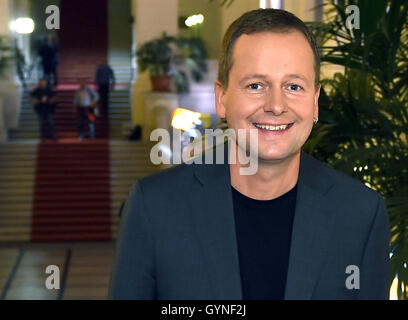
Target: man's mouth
269, 127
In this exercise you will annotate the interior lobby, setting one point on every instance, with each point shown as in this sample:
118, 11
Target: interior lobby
60, 199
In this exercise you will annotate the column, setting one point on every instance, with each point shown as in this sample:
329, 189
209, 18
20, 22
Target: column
10, 89
235, 10
304, 10
151, 19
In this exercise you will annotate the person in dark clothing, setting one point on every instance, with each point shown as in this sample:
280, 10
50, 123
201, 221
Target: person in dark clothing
105, 80
292, 229
44, 104
49, 61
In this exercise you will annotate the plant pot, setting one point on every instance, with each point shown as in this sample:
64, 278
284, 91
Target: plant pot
161, 83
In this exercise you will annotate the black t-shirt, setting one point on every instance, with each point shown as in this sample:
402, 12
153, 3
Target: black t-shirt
264, 230
40, 93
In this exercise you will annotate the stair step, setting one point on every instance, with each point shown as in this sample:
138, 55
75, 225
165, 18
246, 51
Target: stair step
13, 230
69, 237
15, 215
77, 222
88, 200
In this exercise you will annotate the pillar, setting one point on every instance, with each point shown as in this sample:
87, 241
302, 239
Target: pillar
10, 88
151, 19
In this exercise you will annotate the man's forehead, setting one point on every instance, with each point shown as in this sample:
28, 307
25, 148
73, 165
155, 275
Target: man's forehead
273, 37
259, 49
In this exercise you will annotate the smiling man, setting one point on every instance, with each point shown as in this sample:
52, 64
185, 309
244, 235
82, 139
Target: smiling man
296, 229
271, 87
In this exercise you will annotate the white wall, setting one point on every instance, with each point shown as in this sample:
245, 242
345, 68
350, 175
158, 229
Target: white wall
303, 9
235, 10
10, 88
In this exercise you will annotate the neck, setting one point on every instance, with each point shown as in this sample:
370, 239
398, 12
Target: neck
271, 180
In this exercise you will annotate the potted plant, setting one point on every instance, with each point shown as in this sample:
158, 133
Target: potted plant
171, 59
363, 125
155, 56
189, 61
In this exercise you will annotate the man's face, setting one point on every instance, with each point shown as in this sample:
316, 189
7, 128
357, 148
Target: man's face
43, 83
82, 83
271, 83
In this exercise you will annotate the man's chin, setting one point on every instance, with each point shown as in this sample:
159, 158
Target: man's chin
276, 156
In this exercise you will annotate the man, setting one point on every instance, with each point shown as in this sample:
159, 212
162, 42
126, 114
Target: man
43, 99
85, 101
296, 229
105, 80
49, 60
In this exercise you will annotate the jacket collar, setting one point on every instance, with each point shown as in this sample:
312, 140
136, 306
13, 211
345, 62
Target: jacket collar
212, 211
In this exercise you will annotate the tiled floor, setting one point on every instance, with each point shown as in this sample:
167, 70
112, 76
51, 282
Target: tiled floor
84, 271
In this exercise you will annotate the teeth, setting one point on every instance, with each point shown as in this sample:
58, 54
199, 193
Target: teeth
272, 128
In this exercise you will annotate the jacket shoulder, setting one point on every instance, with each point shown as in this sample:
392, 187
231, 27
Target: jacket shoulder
344, 185
172, 178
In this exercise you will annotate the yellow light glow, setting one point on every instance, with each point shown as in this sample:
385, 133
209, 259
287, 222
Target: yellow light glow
184, 119
189, 22
194, 19
22, 25
200, 18
393, 289
12, 25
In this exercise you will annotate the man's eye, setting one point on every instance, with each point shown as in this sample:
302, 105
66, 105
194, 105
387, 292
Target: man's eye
295, 87
254, 86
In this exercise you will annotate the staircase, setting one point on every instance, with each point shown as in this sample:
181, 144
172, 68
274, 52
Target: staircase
120, 62
23, 193
119, 113
72, 190
72, 194
83, 39
66, 120
129, 161
77, 65
17, 172
36, 192
28, 125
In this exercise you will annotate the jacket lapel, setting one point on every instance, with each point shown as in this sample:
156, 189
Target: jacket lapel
213, 218
212, 212
311, 231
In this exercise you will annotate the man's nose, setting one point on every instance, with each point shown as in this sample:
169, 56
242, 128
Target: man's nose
275, 102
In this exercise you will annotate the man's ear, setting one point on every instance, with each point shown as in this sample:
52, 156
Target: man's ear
316, 101
219, 99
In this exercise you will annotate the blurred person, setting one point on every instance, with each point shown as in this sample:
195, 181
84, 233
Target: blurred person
105, 81
85, 102
295, 229
49, 60
43, 98
48, 52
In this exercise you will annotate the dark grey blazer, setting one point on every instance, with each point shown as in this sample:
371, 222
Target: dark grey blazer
177, 237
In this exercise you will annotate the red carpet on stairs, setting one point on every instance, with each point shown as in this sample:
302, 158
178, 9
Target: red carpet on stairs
66, 120
72, 192
83, 45
83, 39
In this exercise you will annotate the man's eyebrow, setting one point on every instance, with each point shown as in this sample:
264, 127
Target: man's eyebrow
263, 76
298, 76
252, 76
